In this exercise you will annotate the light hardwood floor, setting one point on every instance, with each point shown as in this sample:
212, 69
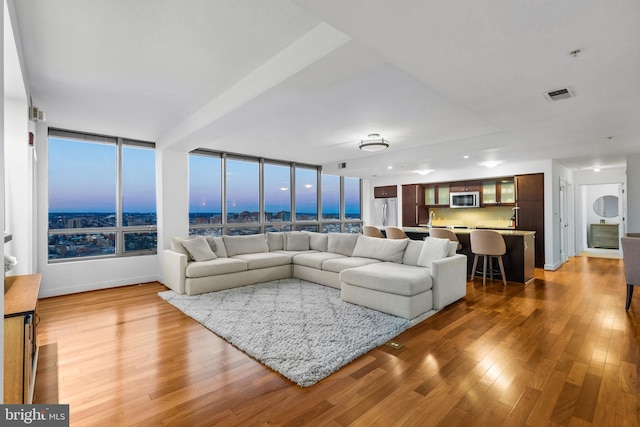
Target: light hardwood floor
558, 351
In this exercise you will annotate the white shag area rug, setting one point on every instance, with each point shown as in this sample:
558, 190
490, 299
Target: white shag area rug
300, 329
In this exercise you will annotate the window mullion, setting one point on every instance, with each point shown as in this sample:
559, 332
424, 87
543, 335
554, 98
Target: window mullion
119, 201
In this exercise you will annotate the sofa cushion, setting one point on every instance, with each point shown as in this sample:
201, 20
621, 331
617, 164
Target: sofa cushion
315, 259
264, 259
381, 249
412, 252
275, 240
341, 243
318, 241
199, 249
433, 249
339, 264
251, 244
390, 277
292, 254
296, 241
220, 250
216, 266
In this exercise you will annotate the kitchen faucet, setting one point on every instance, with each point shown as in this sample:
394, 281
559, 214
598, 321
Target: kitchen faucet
432, 216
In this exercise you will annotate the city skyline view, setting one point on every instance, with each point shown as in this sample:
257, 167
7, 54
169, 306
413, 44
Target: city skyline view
85, 174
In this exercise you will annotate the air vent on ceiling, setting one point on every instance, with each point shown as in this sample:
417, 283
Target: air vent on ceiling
558, 94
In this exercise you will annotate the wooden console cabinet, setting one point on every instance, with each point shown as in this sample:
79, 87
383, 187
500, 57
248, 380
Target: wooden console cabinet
20, 337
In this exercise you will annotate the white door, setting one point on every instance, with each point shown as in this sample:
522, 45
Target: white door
564, 222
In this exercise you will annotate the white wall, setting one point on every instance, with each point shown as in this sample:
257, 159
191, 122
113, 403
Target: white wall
633, 194
173, 197
18, 169
2, 206
19, 158
585, 179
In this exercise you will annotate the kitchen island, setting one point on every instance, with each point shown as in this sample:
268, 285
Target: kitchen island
519, 260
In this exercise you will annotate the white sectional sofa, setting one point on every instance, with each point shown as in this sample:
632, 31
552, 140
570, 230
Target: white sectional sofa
405, 278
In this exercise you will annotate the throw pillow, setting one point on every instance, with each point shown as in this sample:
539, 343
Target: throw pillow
341, 243
199, 249
453, 247
433, 249
177, 246
212, 243
297, 241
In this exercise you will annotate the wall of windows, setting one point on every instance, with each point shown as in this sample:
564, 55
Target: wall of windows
101, 196
244, 195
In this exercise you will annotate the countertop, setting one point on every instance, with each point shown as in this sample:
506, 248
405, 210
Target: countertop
469, 230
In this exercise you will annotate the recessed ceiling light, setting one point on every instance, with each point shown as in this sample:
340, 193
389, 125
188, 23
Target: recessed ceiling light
596, 169
491, 163
389, 167
465, 157
423, 171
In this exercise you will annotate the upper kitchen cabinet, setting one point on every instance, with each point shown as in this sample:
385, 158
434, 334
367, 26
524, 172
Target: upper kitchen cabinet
386, 191
436, 195
412, 204
500, 191
460, 187
530, 187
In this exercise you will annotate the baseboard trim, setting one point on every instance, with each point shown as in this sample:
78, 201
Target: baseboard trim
553, 267
46, 293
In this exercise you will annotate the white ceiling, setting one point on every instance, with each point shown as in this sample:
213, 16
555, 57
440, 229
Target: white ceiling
305, 80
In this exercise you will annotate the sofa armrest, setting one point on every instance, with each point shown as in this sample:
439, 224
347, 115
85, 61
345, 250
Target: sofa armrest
174, 268
449, 280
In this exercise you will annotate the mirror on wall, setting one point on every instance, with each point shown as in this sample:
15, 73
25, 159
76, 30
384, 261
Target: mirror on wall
606, 206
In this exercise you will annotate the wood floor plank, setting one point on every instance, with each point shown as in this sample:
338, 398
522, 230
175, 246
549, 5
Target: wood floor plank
559, 351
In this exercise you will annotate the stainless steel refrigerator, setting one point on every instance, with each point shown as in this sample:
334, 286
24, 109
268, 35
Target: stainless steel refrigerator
385, 212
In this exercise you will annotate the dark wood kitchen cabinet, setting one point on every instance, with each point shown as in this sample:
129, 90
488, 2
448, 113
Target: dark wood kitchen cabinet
530, 205
456, 187
385, 191
412, 203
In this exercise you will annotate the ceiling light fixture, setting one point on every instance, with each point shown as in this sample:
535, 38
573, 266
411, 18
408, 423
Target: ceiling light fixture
374, 142
423, 171
491, 163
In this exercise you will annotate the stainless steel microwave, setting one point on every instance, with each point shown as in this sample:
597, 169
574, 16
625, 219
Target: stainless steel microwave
467, 199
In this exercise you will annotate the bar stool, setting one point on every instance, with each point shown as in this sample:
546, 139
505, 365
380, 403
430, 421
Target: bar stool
395, 233
488, 243
445, 233
371, 231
